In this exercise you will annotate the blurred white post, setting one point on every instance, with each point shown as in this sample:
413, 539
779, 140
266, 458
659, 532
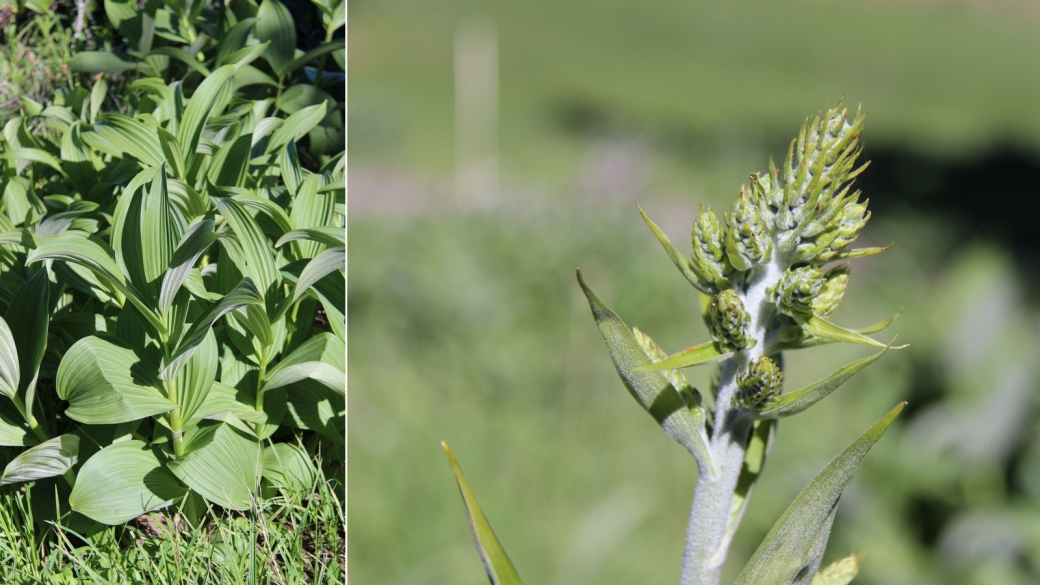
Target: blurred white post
476, 114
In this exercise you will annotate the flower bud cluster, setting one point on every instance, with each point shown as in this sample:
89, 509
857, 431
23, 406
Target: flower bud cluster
796, 290
811, 212
729, 321
834, 283
762, 380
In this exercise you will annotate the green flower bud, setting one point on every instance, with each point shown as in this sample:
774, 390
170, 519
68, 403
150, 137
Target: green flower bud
747, 241
709, 254
834, 283
729, 321
762, 380
797, 288
839, 232
655, 353
808, 195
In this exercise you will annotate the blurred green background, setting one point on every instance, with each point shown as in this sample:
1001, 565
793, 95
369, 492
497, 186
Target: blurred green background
496, 146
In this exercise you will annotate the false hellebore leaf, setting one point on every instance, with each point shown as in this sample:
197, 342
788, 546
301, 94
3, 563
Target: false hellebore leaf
499, 568
107, 383
792, 551
223, 466
8, 361
121, 482
48, 459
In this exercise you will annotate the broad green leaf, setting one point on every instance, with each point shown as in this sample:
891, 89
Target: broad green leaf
330, 236
269, 208
229, 164
23, 206
145, 230
249, 249
234, 39
795, 402
300, 96
194, 379
289, 466
28, 316
9, 368
182, 56
828, 331
90, 253
223, 399
34, 155
274, 24
244, 56
97, 98
327, 375
128, 136
292, 172
698, 355
327, 262
840, 572
107, 383
15, 434
210, 98
651, 389
792, 551
759, 445
48, 459
121, 482
678, 259
243, 294
195, 242
223, 466
316, 52
103, 62
311, 406
296, 126
499, 568
312, 207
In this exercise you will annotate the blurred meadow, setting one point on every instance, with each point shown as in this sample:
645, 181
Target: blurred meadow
496, 146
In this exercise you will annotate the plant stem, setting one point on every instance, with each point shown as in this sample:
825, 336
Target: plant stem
708, 533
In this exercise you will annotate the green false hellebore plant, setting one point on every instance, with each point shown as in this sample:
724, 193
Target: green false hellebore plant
172, 300
761, 274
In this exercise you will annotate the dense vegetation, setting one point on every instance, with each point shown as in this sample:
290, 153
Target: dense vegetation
172, 292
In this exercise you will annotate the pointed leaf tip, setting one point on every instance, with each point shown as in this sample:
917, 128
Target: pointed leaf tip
792, 551
499, 568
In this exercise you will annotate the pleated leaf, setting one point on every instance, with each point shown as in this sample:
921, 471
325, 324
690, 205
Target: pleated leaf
274, 24
48, 459
28, 316
327, 375
9, 363
127, 136
795, 402
121, 482
324, 263
224, 465
296, 126
792, 551
651, 389
243, 294
195, 378
196, 240
499, 568
251, 252
91, 253
210, 98
330, 236
289, 466
106, 383
222, 400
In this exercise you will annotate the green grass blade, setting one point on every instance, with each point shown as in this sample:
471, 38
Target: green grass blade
500, 569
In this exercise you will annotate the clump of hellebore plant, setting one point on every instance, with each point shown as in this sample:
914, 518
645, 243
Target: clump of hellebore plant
765, 288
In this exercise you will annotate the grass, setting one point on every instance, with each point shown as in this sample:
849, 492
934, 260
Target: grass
291, 536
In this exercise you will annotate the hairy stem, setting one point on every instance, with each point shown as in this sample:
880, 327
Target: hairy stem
708, 533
